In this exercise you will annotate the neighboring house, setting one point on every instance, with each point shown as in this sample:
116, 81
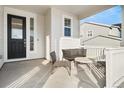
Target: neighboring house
90, 30
104, 41
94, 34
119, 25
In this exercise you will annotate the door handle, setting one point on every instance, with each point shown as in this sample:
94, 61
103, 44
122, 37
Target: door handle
24, 42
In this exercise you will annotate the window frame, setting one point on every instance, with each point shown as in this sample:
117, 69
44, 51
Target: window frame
90, 33
71, 26
33, 33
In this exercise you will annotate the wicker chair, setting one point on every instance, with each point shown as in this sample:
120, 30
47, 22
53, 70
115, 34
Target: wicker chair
55, 63
71, 54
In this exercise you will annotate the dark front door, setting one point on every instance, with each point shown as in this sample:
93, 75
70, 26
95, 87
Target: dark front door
16, 36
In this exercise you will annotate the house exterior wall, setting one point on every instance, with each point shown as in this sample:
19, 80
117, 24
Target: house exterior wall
48, 34
38, 34
54, 30
96, 30
115, 32
68, 43
57, 25
104, 42
1, 35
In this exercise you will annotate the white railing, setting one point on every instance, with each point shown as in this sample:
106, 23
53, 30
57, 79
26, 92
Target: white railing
114, 67
95, 52
114, 59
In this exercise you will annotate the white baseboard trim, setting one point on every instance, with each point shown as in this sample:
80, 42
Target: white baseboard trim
20, 59
23, 59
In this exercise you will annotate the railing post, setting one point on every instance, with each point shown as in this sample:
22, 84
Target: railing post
108, 69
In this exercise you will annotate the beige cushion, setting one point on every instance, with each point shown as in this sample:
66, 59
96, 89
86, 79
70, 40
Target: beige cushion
83, 60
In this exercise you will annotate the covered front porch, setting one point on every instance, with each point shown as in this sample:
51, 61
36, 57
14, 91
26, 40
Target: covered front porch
46, 31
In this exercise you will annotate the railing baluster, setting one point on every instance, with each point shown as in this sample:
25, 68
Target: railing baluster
95, 52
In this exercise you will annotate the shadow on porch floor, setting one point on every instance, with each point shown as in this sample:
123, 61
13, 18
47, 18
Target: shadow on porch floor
35, 73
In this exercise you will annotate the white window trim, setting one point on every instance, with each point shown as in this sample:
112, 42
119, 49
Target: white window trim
69, 17
33, 34
90, 33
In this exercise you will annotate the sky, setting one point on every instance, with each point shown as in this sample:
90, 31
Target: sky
109, 16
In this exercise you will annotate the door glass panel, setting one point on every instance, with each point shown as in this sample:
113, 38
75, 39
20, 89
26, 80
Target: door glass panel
31, 34
17, 30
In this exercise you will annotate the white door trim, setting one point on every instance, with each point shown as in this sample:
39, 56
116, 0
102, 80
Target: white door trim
26, 14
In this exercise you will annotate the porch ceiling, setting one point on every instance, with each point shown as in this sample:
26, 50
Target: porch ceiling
80, 10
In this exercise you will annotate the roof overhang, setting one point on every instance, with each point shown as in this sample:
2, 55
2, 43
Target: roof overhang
81, 11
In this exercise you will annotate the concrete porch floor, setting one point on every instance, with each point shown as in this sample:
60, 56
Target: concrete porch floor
35, 73
27, 74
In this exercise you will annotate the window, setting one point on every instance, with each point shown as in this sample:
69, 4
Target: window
31, 34
89, 33
67, 27
17, 30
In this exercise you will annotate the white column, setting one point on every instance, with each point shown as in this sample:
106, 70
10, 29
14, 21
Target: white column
1, 36
122, 29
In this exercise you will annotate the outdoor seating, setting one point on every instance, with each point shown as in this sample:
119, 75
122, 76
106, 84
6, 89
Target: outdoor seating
71, 54
79, 56
56, 63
